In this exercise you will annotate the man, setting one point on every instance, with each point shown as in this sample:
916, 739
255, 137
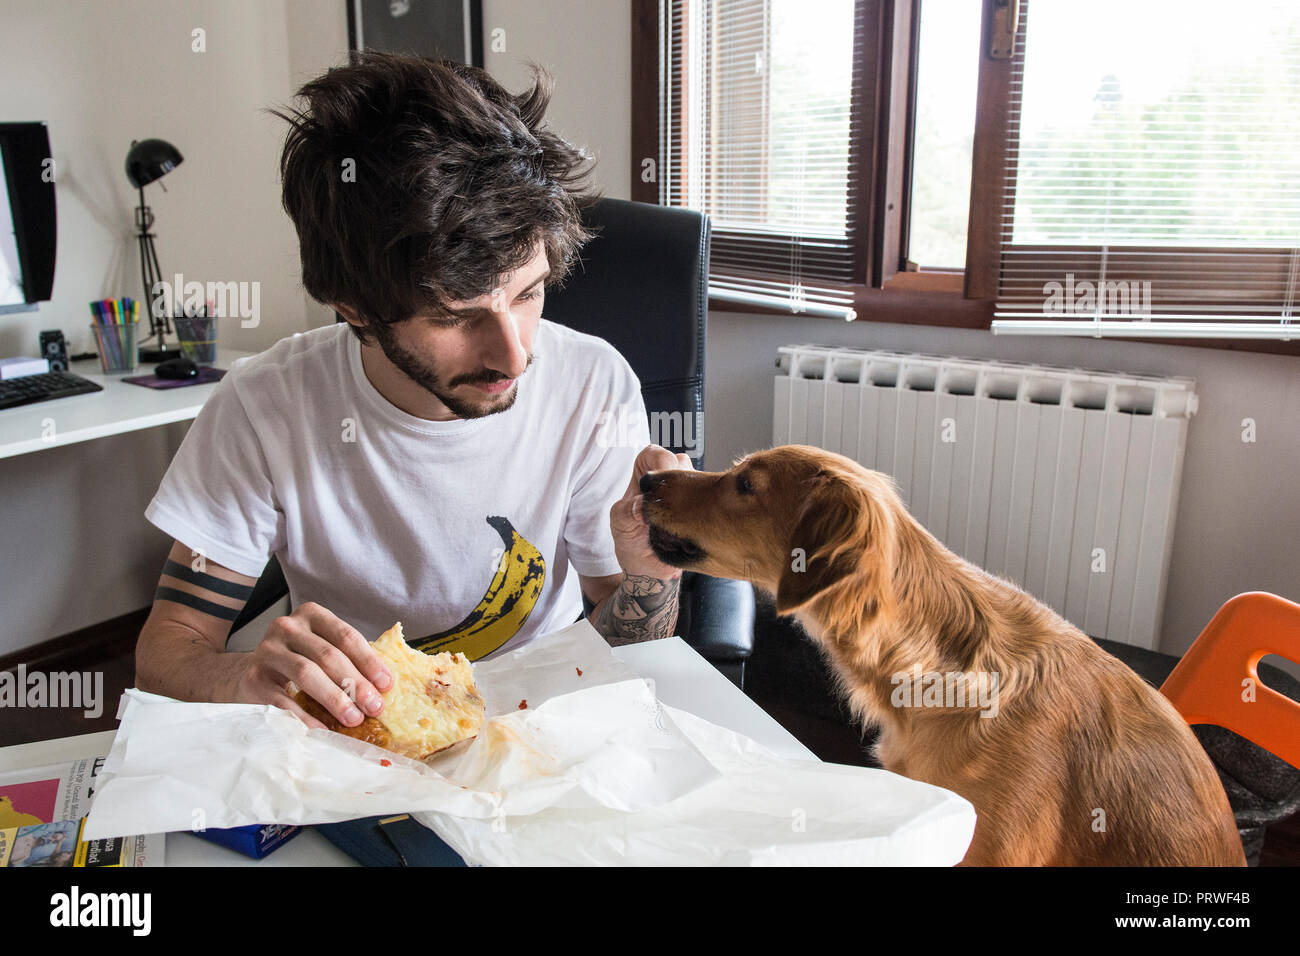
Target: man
444, 456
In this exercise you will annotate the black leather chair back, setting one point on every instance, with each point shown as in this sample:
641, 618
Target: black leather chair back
643, 286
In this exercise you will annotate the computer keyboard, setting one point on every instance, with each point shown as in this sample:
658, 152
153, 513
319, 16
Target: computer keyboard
38, 388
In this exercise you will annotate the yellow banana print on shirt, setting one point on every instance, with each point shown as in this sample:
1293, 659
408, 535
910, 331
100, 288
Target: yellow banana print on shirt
509, 599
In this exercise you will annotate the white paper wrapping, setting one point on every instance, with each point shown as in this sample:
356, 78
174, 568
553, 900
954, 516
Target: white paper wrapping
763, 810
595, 771
595, 740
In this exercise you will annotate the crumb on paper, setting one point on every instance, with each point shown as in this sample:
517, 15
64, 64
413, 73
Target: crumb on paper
579, 670
385, 762
523, 704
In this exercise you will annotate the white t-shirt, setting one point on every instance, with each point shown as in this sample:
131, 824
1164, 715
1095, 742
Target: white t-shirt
462, 530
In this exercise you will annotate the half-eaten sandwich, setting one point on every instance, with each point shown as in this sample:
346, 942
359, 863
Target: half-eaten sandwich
432, 704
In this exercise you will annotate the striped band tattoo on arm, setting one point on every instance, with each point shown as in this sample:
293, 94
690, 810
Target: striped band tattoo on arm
196, 602
205, 582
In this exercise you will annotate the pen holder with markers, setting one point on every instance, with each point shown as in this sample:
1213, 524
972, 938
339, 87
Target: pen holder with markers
117, 346
198, 337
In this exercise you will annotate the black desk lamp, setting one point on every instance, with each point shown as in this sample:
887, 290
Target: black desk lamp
146, 161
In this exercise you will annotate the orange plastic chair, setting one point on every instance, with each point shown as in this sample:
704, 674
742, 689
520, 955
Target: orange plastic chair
1209, 684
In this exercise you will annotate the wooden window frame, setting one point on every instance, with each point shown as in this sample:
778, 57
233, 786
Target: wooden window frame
892, 290
984, 248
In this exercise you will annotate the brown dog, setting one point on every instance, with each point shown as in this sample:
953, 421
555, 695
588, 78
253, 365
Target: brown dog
1068, 756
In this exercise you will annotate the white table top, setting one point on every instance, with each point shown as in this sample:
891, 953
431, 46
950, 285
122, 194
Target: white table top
120, 407
682, 679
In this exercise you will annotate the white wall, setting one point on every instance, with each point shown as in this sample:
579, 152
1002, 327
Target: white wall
219, 218
74, 546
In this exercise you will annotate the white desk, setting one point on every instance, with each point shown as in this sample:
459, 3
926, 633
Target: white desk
682, 678
120, 407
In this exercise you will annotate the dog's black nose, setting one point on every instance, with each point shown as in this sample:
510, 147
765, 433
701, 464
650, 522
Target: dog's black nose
650, 481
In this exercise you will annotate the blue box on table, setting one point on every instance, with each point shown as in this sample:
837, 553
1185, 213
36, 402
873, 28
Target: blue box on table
256, 840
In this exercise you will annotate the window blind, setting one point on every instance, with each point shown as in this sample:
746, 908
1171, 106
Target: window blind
759, 129
1152, 170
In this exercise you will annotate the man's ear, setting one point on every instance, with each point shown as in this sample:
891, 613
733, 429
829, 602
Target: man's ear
844, 536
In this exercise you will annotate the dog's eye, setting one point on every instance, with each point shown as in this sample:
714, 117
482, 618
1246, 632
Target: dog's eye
743, 486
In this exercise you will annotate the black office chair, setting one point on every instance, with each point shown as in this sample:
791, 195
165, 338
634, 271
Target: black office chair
642, 285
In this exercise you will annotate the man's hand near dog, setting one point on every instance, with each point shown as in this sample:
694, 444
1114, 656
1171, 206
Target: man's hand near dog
641, 603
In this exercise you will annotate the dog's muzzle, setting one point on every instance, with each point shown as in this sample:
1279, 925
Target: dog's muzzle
668, 547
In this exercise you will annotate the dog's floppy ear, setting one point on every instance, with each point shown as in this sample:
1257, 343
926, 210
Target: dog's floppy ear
843, 538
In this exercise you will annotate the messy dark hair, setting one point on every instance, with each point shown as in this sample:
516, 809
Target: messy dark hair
415, 182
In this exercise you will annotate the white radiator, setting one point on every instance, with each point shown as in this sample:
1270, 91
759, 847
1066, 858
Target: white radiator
1064, 481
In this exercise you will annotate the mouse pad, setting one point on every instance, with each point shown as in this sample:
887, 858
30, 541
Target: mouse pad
206, 374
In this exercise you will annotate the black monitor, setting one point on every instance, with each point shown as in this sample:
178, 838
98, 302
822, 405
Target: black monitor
28, 220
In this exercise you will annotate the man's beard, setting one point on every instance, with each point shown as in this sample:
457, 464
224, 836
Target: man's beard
424, 376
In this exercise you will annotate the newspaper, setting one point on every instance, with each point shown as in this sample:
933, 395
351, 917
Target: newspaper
42, 814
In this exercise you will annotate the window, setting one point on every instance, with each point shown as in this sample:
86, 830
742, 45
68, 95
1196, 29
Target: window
947, 75
736, 101
877, 158
1150, 169
761, 135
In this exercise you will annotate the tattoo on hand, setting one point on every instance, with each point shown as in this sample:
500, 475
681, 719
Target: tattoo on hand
642, 609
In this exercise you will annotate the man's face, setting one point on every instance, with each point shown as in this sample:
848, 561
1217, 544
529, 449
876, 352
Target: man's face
472, 357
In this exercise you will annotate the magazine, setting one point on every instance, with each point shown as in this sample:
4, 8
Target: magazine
42, 812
